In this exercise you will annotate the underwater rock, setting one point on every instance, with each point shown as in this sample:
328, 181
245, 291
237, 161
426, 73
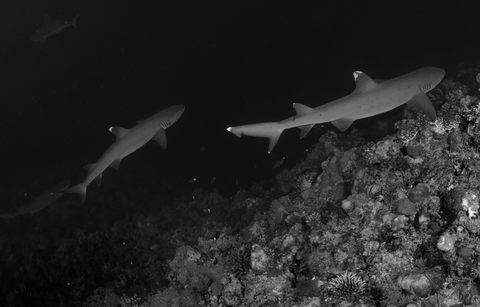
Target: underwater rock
348, 205
308, 287
259, 259
414, 150
321, 262
454, 139
452, 203
423, 283
465, 252
458, 200
406, 207
446, 242
418, 193
470, 203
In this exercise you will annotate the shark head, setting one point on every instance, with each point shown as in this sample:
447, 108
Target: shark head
169, 116
429, 77
174, 112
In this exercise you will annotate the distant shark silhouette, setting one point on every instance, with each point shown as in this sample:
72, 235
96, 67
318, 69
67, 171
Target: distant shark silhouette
40, 202
128, 141
368, 99
51, 27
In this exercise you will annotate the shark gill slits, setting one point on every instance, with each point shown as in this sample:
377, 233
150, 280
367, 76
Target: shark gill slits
425, 87
165, 124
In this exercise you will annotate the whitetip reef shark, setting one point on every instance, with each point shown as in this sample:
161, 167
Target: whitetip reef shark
127, 141
369, 98
52, 27
40, 202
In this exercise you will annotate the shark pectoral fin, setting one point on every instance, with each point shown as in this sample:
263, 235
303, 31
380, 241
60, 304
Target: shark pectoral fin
342, 124
98, 180
304, 130
422, 103
301, 109
118, 132
115, 164
273, 139
79, 189
161, 138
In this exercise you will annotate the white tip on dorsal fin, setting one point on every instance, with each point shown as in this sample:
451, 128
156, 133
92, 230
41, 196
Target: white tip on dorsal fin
363, 82
118, 132
302, 109
89, 167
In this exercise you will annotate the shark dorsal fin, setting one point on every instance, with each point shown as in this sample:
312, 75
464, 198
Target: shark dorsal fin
118, 131
302, 109
363, 82
422, 103
161, 138
89, 167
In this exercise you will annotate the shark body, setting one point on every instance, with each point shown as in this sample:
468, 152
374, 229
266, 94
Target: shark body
52, 27
129, 140
40, 202
369, 98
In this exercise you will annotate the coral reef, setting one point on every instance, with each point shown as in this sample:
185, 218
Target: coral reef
356, 223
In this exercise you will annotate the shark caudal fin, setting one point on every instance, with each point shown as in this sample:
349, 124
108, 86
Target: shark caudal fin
9, 216
80, 189
272, 131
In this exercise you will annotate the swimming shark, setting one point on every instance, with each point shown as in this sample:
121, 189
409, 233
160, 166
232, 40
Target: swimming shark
127, 141
369, 98
40, 202
52, 27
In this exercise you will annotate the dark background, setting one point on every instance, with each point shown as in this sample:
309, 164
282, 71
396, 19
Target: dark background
229, 62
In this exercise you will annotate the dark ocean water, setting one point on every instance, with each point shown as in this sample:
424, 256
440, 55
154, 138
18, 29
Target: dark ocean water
229, 63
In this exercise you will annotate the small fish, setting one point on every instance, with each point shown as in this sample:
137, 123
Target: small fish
40, 202
51, 27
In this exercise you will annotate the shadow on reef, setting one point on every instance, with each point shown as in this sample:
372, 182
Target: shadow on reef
357, 223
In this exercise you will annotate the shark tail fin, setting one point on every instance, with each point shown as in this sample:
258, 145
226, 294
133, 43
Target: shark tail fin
8, 216
271, 130
79, 189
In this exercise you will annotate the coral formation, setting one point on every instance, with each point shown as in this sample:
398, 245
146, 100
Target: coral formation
355, 223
